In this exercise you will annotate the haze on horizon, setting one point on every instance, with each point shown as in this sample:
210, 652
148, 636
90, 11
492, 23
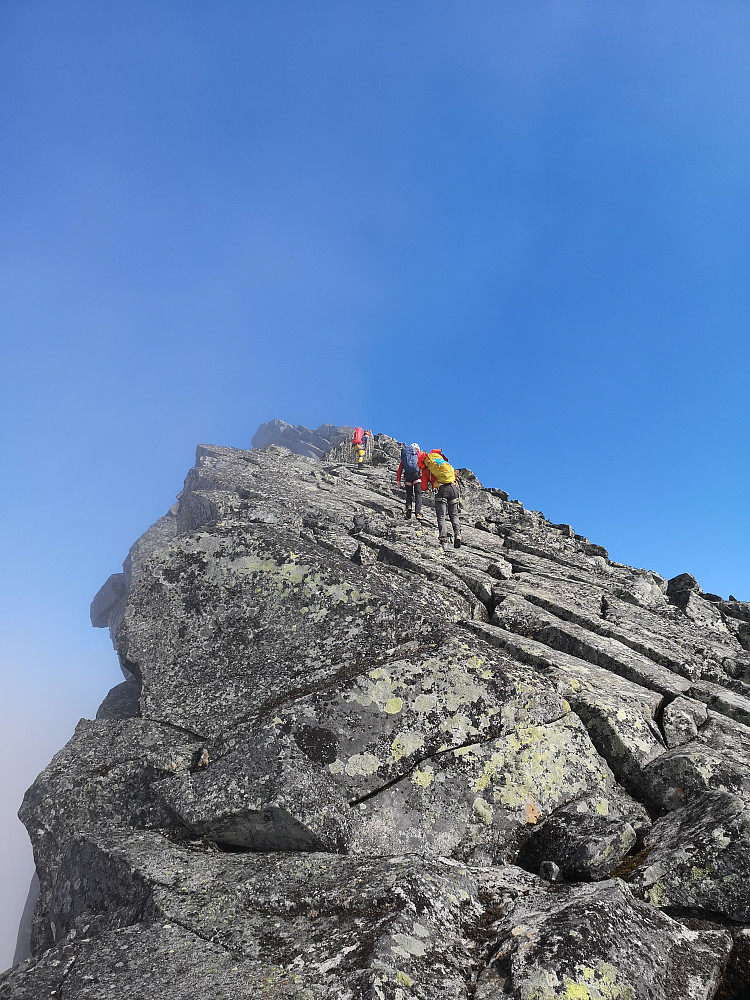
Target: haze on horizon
516, 231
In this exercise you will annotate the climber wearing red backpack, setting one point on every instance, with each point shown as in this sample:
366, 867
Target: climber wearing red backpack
438, 470
412, 470
359, 444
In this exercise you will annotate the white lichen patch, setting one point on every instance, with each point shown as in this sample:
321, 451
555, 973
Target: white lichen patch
359, 764
423, 777
405, 744
424, 703
482, 810
406, 946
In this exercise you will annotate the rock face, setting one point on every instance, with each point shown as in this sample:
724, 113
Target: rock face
345, 763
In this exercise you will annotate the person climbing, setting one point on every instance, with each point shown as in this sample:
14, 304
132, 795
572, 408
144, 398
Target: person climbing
359, 444
447, 499
412, 471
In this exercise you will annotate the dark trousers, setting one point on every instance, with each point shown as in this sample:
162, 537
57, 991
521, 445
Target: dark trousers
447, 501
414, 492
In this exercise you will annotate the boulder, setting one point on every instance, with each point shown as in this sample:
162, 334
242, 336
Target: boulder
571, 941
109, 596
122, 702
716, 759
681, 720
484, 800
581, 839
700, 858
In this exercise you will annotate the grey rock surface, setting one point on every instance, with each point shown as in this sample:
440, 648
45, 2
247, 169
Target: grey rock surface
346, 763
122, 702
581, 839
597, 941
700, 857
681, 720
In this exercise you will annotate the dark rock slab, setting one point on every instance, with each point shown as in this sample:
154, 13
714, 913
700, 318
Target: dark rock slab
685, 583
686, 594
736, 982
102, 777
581, 840
578, 942
717, 759
23, 941
110, 595
262, 794
158, 959
736, 609
681, 720
730, 703
122, 702
329, 926
700, 858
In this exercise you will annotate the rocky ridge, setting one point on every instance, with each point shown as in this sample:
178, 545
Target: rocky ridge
301, 440
346, 764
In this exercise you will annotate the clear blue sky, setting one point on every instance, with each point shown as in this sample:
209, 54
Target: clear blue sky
516, 230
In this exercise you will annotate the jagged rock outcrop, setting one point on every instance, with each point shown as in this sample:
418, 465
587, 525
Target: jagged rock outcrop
301, 440
344, 763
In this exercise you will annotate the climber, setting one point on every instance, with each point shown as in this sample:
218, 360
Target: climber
359, 444
413, 472
438, 470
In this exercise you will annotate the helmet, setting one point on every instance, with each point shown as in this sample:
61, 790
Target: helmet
415, 445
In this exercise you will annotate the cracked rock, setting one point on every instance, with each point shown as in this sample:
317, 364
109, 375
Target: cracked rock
336, 744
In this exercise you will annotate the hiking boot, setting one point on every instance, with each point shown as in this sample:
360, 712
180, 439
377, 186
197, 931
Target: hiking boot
407, 513
457, 542
418, 517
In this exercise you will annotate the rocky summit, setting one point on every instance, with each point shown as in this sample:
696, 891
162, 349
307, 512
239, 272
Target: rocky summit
346, 764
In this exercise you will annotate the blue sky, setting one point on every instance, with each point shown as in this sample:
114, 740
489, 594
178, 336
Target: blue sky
516, 230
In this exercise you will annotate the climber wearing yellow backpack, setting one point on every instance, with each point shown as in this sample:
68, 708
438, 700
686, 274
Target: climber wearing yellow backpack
440, 472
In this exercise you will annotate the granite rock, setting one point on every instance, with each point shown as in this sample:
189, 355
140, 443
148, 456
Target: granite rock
699, 858
342, 758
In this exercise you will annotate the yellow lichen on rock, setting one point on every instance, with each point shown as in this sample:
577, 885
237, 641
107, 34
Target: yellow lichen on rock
423, 777
483, 810
406, 743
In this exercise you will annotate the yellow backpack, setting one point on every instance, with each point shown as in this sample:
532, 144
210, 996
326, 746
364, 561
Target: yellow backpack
442, 471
